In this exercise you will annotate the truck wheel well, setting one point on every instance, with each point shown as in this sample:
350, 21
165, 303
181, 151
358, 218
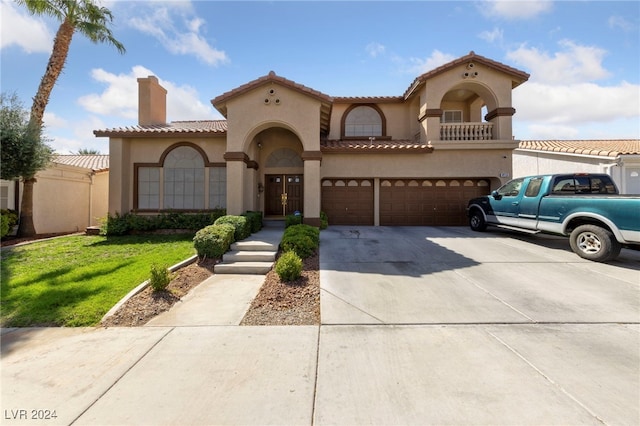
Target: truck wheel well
574, 223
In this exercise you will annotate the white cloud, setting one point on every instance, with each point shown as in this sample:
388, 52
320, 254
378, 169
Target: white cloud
374, 49
495, 35
574, 64
564, 101
420, 66
510, 9
80, 135
174, 25
620, 22
22, 29
120, 97
52, 121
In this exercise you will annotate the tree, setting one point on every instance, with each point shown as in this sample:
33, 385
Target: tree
87, 151
88, 19
23, 154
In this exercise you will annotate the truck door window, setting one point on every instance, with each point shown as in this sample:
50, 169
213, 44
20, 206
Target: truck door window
602, 186
511, 188
533, 189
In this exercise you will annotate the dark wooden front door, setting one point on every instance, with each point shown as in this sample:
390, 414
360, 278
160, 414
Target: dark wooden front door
277, 186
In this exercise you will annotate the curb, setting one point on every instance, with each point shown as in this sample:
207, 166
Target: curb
144, 285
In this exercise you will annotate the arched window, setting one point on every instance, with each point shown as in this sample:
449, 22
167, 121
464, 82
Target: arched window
363, 120
183, 179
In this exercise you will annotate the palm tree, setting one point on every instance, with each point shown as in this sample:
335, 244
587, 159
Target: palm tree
88, 19
87, 151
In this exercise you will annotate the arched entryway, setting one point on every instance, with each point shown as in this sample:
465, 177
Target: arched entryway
281, 177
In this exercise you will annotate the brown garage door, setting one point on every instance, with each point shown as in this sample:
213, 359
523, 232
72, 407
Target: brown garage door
428, 202
348, 201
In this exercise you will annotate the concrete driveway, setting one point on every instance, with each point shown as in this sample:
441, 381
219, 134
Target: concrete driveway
419, 326
460, 328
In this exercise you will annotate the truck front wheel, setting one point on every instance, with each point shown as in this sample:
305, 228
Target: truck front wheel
594, 243
476, 221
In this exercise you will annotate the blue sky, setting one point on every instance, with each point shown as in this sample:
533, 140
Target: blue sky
583, 57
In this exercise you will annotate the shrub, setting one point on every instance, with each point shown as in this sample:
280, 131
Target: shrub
289, 266
115, 225
255, 219
213, 240
160, 277
324, 220
240, 223
12, 217
4, 226
123, 224
302, 239
292, 219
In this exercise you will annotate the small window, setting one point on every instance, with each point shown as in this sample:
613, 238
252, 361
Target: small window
533, 189
452, 116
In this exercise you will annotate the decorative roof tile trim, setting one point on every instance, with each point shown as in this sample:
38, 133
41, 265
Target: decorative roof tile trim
601, 148
202, 126
96, 163
375, 147
270, 78
470, 57
367, 99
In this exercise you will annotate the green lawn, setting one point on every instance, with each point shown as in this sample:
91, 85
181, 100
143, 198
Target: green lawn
73, 281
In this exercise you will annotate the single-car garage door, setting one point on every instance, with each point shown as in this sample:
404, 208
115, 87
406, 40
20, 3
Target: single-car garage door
428, 202
348, 201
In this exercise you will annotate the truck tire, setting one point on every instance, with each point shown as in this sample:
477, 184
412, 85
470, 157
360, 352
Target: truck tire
476, 221
594, 243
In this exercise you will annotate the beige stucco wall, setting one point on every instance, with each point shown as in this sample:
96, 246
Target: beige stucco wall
528, 163
68, 199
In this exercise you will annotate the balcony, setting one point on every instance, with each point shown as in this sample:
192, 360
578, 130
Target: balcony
466, 131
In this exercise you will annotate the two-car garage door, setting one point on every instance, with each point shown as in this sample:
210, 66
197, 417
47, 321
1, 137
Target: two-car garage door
421, 202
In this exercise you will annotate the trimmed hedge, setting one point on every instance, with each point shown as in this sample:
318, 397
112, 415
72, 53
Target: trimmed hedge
292, 219
324, 220
240, 223
289, 266
130, 222
255, 219
301, 239
213, 240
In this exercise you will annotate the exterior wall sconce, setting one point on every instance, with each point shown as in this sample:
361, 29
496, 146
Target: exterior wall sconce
260, 188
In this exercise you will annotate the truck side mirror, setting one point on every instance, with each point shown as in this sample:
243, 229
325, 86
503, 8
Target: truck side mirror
496, 195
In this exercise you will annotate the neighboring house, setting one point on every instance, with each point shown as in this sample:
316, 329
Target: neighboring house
413, 159
618, 158
69, 195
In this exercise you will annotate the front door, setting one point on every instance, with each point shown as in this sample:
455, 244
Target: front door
283, 195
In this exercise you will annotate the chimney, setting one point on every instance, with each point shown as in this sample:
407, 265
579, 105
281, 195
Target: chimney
152, 102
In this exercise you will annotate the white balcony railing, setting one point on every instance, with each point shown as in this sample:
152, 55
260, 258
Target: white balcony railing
466, 131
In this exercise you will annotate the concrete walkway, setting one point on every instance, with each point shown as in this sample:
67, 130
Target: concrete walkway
420, 326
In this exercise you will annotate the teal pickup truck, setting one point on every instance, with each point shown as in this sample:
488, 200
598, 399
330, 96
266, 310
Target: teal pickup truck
585, 207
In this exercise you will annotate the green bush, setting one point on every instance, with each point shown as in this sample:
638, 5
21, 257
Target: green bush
160, 277
240, 223
324, 220
230, 229
255, 219
130, 222
289, 266
4, 226
115, 225
292, 219
302, 239
12, 217
213, 240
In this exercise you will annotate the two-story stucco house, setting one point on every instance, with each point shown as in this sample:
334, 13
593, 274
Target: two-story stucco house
413, 159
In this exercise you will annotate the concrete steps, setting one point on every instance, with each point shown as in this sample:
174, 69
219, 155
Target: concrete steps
255, 255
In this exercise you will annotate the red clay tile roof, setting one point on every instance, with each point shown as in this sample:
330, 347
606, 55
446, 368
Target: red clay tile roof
367, 99
603, 148
519, 76
170, 129
375, 147
97, 163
